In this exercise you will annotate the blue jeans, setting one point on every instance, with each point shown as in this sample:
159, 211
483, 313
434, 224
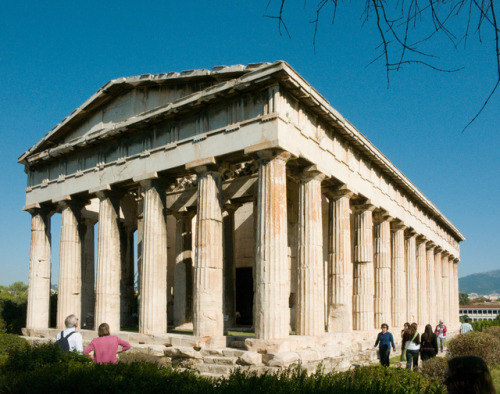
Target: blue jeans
441, 341
412, 357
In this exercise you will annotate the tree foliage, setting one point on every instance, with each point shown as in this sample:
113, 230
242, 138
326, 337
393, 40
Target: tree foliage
13, 300
464, 299
408, 30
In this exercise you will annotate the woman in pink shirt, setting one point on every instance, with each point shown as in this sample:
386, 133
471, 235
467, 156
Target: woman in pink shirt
106, 346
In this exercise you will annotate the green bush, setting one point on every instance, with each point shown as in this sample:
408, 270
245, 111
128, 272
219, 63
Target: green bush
373, 379
495, 331
435, 368
134, 357
476, 343
141, 377
31, 358
480, 325
10, 341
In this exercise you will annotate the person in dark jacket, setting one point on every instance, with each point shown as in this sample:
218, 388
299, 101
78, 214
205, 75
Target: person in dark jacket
428, 344
384, 341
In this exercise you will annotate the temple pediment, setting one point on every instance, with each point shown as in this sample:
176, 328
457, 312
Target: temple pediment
124, 101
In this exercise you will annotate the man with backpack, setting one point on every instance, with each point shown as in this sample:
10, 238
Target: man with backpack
69, 339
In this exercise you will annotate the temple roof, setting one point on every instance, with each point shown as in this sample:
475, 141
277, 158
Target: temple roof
218, 82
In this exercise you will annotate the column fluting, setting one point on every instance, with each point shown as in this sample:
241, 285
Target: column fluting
382, 266
107, 308
208, 268
363, 289
310, 316
340, 269
422, 293
433, 317
272, 312
411, 278
38, 308
153, 300
398, 277
70, 264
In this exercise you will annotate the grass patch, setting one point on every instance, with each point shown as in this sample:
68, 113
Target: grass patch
240, 333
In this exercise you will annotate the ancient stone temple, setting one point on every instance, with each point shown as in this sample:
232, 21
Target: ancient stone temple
231, 197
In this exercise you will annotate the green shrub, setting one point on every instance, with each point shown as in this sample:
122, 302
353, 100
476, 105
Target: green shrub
495, 331
435, 368
31, 358
10, 341
373, 379
74, 376
481, 325
135, 357
475, 343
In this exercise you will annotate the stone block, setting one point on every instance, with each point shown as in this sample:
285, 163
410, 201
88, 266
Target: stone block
211, 352
250, 358
182, 352
310, 355
280, 359
267, 346
220, 360
232, 352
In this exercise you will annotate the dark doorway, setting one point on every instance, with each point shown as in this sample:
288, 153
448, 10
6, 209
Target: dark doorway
244, 296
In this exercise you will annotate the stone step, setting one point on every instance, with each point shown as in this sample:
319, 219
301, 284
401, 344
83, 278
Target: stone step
233, 352
215, 369
220, 360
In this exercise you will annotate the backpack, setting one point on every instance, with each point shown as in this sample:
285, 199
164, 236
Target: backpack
63, 343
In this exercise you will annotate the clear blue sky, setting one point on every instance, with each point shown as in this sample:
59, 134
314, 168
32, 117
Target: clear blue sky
56, 54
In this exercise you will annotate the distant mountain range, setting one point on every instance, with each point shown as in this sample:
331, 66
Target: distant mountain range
483, 283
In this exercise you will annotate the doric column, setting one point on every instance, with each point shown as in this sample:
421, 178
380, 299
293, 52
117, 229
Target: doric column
422, 307
363, 289
208, 317
310, 315
153, 276
456, 297
107, 308
432, 316
229, 265
272, 312
438, 283
38, 309
183, 275
398, 277
340, 271
445, 275
411, 277
382, 266
70, 263
88, 274
127, 275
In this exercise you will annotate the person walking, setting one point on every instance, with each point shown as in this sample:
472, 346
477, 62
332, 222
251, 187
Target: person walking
384, 342
466, 326
105, 347
440, 331
74, 338
411, 338
428, 344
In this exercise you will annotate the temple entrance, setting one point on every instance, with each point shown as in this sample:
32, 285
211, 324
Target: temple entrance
244, 296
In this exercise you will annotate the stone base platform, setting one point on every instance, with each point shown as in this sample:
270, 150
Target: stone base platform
220, 356
215, 357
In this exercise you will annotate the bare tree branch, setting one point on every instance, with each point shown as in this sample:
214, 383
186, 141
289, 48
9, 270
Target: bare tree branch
403, 28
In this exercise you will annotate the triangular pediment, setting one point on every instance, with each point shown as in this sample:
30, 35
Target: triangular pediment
123, 99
